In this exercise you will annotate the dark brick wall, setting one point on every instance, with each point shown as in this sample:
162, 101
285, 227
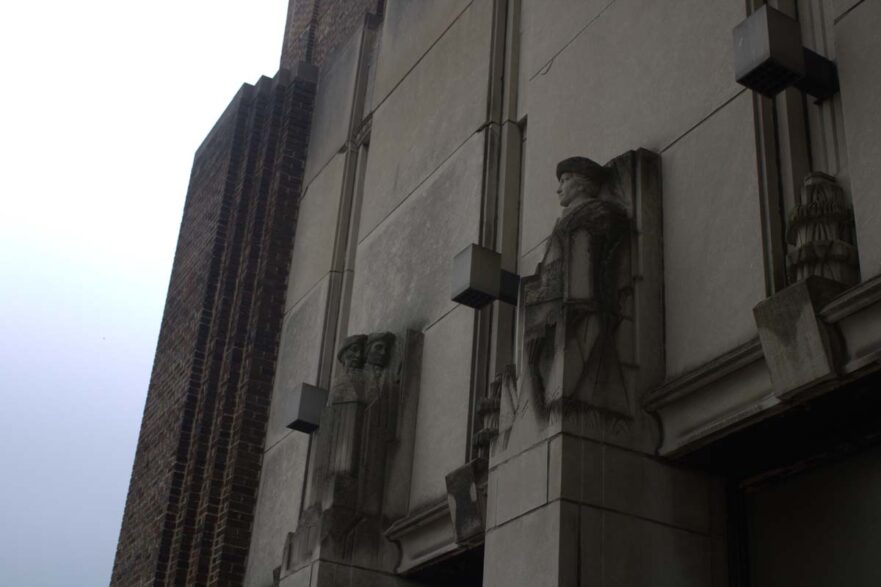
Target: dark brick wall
315, 28
299, 33
194, 482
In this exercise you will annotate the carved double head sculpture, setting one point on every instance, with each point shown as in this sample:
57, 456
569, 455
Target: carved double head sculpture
372, 349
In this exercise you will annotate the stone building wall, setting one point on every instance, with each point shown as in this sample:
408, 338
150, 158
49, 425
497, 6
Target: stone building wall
439, 124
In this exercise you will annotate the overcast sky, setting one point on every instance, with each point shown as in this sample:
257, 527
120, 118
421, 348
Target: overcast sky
103, 104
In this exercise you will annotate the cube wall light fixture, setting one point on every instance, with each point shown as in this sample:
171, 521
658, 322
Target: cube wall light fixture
478, 278
769, 57
308, 403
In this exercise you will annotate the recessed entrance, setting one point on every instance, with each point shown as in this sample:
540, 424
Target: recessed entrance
462, 570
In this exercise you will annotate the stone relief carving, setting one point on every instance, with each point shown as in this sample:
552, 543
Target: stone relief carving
821, 230
360, 425
574, 299
590, 318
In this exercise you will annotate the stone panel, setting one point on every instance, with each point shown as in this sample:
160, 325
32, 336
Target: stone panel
858, 46
409, 30
402, 269
302, 578
278, 505
529, 549
842, 6
314, 240
298, 356
645, 487
641, 75
575, 470
442, 415
713, 272
638, 553
547, 26
521, 484
334, 101
436, 108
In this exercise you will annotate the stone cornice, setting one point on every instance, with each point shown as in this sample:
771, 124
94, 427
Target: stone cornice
424, 536
853, 300
735, 389
705, 375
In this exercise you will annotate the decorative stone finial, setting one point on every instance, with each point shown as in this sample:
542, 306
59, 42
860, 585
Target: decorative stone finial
821, 229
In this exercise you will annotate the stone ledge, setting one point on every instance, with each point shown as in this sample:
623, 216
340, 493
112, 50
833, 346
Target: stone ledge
425, 536
707, 374
852, 301
735, 389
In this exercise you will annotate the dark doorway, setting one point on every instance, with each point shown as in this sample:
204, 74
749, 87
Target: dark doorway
803, 492
462, 570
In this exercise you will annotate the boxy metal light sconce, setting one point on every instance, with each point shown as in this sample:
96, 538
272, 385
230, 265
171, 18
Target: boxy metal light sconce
478, 278
309, 402
769, 57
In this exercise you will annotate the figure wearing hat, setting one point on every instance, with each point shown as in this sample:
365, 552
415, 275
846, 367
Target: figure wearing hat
572, 301
347, 400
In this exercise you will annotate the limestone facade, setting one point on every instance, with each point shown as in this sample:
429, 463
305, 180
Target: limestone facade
683, 390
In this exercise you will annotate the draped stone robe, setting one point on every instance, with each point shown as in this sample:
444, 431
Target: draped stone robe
573, 310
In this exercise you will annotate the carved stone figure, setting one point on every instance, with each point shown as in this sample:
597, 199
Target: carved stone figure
379, 348
351, 353
821, 229
345, 421
573, 302
358, 426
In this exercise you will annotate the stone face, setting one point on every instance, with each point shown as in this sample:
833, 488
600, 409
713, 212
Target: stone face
442, 418
334, 101
314, 240
857, 46
278, 506
409, 30
402, 272
591, 100
713, 273
297, 357
436, 108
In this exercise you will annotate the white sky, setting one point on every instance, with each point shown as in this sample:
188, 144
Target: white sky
102, 105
